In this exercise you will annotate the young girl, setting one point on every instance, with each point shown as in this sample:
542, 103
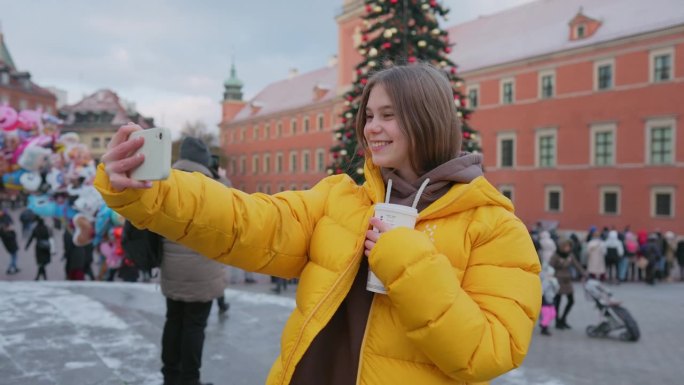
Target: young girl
550, 287
462, 287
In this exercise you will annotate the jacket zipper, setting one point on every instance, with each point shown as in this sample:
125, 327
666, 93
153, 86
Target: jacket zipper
318, 305
363, 341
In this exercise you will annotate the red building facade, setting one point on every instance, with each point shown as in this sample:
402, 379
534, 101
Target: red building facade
578, 104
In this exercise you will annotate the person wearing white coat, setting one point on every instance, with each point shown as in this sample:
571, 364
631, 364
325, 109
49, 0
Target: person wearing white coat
548, 247
596, 254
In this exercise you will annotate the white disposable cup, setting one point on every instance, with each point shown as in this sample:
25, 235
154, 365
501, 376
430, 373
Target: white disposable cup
395, 216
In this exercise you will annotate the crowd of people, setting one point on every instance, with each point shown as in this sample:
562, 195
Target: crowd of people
607, 255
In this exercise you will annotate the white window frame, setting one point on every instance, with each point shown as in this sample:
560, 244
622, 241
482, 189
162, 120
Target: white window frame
255, 132
601, 63
502, 85
500, 137
266, 164
279, 160
663, 190
243, 133
509, 188
267, 131
577, 31
651, 63
549, 189
255, 164
320, 160
306, 125
320, 122
476, 88
553, 131
543, 74
267, 188
243, 164
306, 161
657, 123
293, 126
603, 190
599, 128
279, 129
293, 164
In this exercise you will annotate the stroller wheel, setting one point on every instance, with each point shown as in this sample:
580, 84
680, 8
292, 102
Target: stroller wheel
592, 331
626, 336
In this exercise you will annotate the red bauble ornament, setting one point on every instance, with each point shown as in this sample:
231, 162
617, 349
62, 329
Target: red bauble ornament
349, 134
359, 71
386, 45
466, 135
350, 98
364, 81
338, 171
336, 155
393, 1
453, 70
360, 153
412, 59
344, 120
447, 49
433, 3
364, 37
369, 9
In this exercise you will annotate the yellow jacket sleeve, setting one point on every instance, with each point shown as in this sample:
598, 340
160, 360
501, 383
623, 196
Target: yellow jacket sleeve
258, 232
473, 329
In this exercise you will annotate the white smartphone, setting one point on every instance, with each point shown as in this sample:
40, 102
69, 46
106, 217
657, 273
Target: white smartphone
157, 151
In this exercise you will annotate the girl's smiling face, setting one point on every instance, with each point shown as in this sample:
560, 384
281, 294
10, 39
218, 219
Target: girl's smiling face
388, 144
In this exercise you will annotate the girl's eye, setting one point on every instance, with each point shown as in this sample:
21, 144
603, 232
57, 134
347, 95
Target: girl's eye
388, 116
369, 117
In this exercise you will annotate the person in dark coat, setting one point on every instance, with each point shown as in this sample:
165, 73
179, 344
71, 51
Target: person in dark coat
41, 233
9, 239
563, 262
75, 256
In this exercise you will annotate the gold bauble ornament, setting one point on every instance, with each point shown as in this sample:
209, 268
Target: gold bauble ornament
373, 52
371, 63
343, 152
422, 44
377, 8
359, 171
330, 171
362, 52
435, 31
387, 33
425, 6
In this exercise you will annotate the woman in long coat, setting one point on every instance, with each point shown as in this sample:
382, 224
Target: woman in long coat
562, 262
596, 258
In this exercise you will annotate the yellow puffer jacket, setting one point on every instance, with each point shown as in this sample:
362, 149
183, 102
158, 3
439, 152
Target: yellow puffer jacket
464, 292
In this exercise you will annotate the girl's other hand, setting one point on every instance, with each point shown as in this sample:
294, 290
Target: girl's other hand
373, 235
119, 159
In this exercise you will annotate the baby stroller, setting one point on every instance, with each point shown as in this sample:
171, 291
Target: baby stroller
613, 316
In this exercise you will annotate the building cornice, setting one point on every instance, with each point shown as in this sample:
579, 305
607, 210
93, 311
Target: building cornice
638, 38
283, 113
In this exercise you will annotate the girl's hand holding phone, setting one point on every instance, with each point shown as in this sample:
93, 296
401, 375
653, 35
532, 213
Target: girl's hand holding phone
121, 158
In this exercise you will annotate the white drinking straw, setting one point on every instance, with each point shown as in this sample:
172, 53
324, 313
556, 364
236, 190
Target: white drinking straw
389, 190
420, 192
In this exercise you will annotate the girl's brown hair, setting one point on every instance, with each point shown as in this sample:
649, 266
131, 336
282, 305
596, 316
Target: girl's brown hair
423, 103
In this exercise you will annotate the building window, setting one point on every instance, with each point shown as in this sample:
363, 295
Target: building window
554, 199
258, 188
107, 140
547, 83
320, 160
267, 131
507, 191
305, 124
243, 134
281, 187
662, 202
4, 77
306, 161
305, 186
293, 162
662, 65
610, 200
23, 104
321, 122
255, 133
507, 91
95, 143
267, 163
279, 130
580, 31
279, 163
603, 74
293, 187
255, 164
546, 147
660, 141
243, 164
506, 150
473, 96
293, 127
267, 188
603, 144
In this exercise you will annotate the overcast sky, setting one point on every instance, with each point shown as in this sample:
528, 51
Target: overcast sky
171, 57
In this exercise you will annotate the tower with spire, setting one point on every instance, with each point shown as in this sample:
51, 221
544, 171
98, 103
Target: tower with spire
232, 95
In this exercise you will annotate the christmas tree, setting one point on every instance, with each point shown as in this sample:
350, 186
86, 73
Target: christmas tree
397, 32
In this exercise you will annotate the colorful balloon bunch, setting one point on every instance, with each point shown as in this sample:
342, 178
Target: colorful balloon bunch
55, 170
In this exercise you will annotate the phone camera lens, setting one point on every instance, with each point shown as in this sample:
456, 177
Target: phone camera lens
160, 135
